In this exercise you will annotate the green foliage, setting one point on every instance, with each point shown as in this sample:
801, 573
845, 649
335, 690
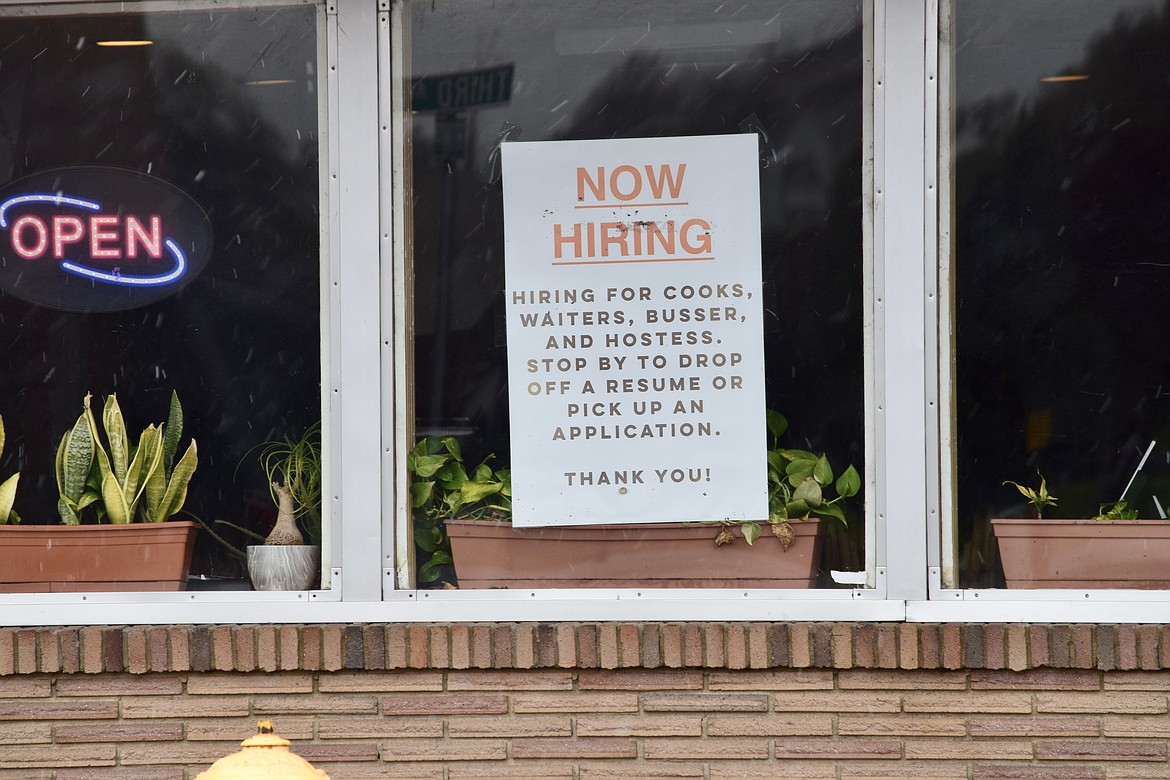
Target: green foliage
1039, 498
296, 464
7, 489
441, 487
801, 485
125, 481
1115, 510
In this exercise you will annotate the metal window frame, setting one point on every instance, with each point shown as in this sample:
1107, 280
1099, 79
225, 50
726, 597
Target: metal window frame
108, 608
874, 602
947, 600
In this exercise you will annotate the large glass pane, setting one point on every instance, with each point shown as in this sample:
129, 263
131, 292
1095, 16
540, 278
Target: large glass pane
1061, 111
159, 234
483, 74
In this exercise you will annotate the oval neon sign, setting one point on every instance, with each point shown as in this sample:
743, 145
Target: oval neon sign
99, 239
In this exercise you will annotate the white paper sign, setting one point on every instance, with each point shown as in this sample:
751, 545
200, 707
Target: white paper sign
635, 337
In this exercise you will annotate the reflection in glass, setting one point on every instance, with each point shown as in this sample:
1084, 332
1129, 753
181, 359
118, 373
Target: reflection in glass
792, 73
223, 106
1061, 111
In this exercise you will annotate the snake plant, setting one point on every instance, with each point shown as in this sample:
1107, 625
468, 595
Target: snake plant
7, 489
127, 481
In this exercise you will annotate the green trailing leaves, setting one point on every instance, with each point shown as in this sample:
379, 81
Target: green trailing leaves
442, 487
801, 484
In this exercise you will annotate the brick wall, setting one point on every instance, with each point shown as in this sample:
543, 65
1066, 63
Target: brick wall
605, 700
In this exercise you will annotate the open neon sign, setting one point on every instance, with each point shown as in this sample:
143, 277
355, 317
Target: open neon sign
112, 227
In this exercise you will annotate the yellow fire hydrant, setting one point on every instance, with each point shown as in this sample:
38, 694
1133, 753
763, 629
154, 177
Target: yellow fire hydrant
265, 757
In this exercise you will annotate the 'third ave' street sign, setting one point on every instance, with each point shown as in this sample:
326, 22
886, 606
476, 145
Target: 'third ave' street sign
468, 89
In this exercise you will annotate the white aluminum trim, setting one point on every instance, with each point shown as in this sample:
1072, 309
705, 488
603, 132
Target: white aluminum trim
903, 195
358, 393
396, 46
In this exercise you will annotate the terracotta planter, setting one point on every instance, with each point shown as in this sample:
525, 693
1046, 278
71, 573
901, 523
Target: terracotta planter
490, 554
1084, 553
69, 558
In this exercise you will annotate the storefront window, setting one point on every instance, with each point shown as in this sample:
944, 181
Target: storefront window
159, 235
1060, 278
483, 76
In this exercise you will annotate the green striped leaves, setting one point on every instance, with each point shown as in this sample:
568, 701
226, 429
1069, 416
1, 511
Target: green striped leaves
7, 489
129, 481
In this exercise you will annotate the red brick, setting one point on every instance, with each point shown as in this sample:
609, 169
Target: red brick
800, 645
289, 648
221, 649
266, 649
651, 680
720, 747
460, 646
908, 647
650, 645
524, 646
1100, 750
692, 645
865, 646
49, 648
502, 647
1082, 647
714, 643
396, 647
1036, 680
440, 647
1017, 647
1148, 647
704, 702
312, 653
629, 646
1033, 772
994, 646
952, 649
672, 645
737, 651
607, 640
1033, 726
481, 647
587, 651
566, 645
580, 747
758, 645
887, 647
847, 748
443, 704
418, 647
157, 645
1038, 645
1127, 656
244, 644
332, 648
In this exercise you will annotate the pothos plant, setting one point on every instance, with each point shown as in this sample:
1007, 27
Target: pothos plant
442, 486
801, 486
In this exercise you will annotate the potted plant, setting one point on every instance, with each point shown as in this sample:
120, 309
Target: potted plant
290, 556
463, 516
116, 498
1113, 549
7, 489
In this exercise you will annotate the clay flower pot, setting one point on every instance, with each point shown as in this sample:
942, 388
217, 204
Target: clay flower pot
490, 554
1064, 553
70, 558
